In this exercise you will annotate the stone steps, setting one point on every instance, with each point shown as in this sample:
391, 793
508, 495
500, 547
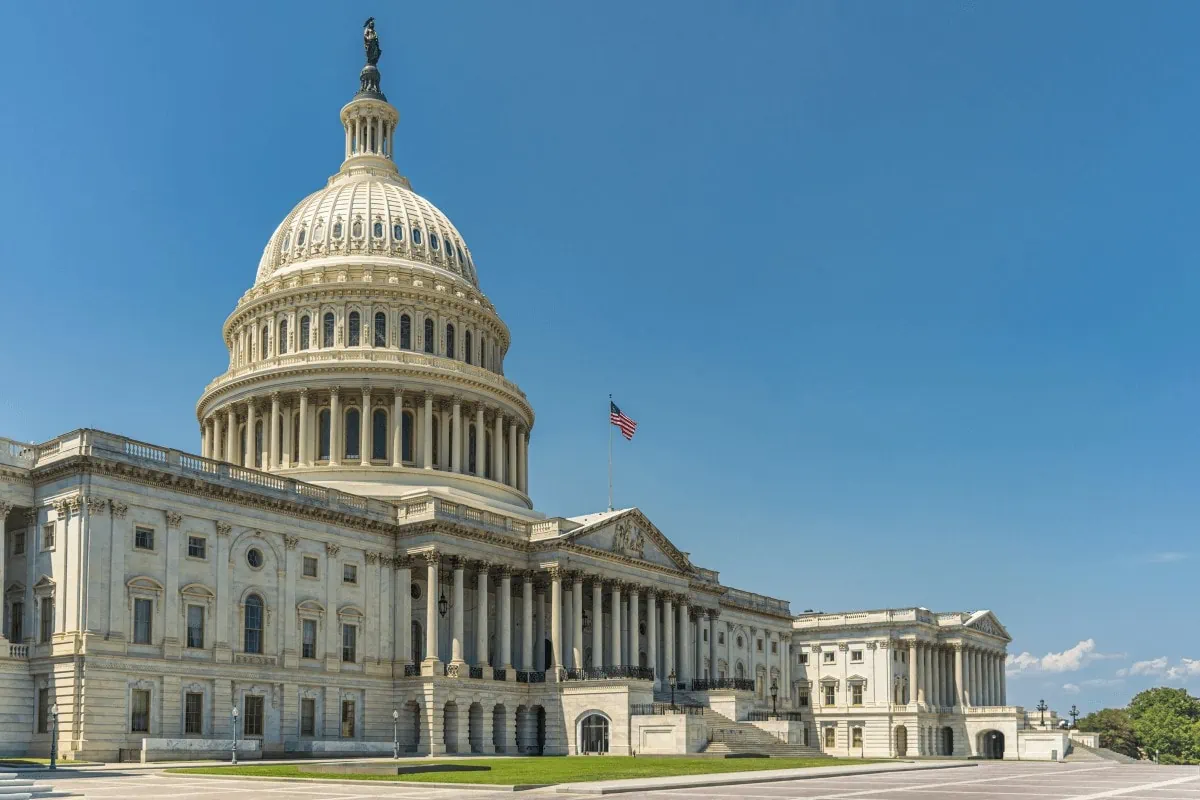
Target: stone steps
14, 787
1081, 752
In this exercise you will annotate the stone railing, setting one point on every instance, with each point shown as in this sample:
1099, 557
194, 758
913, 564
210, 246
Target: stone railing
611, 672
882, 616
718, 684
1005, 710
17, 454
757, 602
353, 357
20, 651
435, 508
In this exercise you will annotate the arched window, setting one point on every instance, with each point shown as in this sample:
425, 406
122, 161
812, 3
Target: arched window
433, 241
406, 437
353, 432
449, 340
416, 235
472, 438
300, 238
282, 336
327, 330
467, 347
482, 352
323, 435
252, 625
460, 254
405, 332
487, 454
305, 330
287, 241
398, 232
355, 332
428, 335
266, 342
593, 734
296, 439
449, 250
380, 329
337, 229
437, 436
258, 444
377, 229
356, 229
379, 435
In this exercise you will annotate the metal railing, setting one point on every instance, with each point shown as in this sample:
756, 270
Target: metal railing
531, 676
666, 709
610, 672
412, 670
499, 674
709, 684
769, 716
476, 673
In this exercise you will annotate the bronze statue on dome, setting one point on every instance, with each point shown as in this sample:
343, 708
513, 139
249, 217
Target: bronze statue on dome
371, 42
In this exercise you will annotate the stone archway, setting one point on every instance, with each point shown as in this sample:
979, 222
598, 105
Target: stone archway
901, 741
591, 737
475, 727
991, 745
947, 741
500, 728
411, 732
450, 727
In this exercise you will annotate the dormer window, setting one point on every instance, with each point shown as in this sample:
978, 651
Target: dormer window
460, 254
337, 229
377, 229
398, 232
416, 234
287, 241
300, 238
356, 229
433, 241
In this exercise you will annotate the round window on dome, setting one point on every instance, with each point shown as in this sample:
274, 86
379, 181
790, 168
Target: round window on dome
433, 241
398, 232
416, 234
337, 229
377, 230
254, 558
300, 238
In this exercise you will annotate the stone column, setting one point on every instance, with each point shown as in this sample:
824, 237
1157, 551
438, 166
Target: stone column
935, 676
959, 696
996, 670
402, 619
272, 459
364, 429
652, 635
456, 642
480, 437
614, 611
431, 614
526, 621
5, 508
684, 666
427, 430
539, 646
556, 621
523, 462
577, 621
505, 613
481, 614
456, 444
498, 448
231, 435
248, 462
205, 438
217, 441
301, 447
668, 637
913, 696
713, 613
336, 425
510, 474
635, 648
287, 446
597, 623
1003, 680
397, 427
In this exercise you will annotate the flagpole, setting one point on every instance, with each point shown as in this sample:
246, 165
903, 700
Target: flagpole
610, 427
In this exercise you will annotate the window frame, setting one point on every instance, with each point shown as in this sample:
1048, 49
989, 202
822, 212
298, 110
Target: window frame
304, 643
141, 621
311, 703
188, 627
255, 720
305, 559
350, 573
350, 649
49, 536
135, 695
18, 546
190, 714
261, 630
203, 540
348, 720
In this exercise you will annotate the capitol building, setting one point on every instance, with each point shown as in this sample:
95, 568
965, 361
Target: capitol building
350, 556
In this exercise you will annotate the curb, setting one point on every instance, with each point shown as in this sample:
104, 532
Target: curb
471, 787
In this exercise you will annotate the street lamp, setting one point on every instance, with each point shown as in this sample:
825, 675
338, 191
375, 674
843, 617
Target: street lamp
234, 717
395, 733
774, 698
671, 678
1074, 712
54, 736
1041, 706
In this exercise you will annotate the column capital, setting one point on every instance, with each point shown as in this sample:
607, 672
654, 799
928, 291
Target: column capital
482, 565
290, 542
275, 397
432, 557
714, 613
334, 391
457, 562
457, 400
503, 570
304, 393
332, 549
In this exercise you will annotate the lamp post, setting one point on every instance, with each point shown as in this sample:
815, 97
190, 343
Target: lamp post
671, 678
1074, 712
395, 733
774, 698
54, 736
233, 712
1041, 706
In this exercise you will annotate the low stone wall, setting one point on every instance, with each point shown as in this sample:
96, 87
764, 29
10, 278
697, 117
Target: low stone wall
731, 703
667, 734
786, 731
1042, 745
339, 747
1085, 739
16, 704
198, 749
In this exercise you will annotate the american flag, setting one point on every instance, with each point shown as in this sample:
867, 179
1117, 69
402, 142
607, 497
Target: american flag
616, 417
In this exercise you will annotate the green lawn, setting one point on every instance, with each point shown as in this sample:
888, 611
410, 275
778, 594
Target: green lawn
513, 771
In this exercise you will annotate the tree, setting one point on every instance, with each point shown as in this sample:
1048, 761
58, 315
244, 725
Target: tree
1166, 722
1115, 729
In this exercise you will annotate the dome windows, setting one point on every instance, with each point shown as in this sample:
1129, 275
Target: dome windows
354, 332
398, 232
377, 229
428, 335
449, 341
380, 329
337, 229
283, 337
405, 332
327, 323
300, 238
266, 341
304, 332
433, 241
287, 241
356, 230
461, 260
416, 235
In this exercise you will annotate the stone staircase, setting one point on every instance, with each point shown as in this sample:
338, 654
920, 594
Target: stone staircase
731, 738
1081, 752
14, 787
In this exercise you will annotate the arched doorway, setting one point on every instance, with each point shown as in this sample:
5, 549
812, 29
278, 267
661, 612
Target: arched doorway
500, 728
450, 727
592, 736
991, 745
475, 727
541, 730
947, 741
901, 741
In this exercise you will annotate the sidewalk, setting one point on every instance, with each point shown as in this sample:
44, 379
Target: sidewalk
735, 778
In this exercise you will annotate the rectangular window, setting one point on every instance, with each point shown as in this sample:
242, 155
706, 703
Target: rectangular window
804, 658
758, 645
18, 543
349, 573
16, 623
774, 647
197, 547
43, 711
856, 737
830, 695
139, 717
831, 737
48, 536
308, 646
347, 719
856, 656
308, 717
310, 566
804, 699
143, 538
193, 713
195, 626
830, 657
252, 719
856, 694
721, 638
349, 642
142, 609
47, 620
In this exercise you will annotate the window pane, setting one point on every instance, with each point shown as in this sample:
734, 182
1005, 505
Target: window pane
283, 337
347, 719
308, 717
349, 642
381, 330
141, 621
352, 433
309, 646
323, 435
327, 330
405, 332
253, 716
379, 435
304, 333
43, 711
449, 341
140, 717
195, 629
253, 624
193, 713
429, 336
406, 435
355, 329
47, 620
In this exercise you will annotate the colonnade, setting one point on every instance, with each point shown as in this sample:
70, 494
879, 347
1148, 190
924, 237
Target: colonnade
943, 675
421, 430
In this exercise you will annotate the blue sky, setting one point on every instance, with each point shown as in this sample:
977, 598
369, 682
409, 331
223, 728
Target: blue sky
902, 294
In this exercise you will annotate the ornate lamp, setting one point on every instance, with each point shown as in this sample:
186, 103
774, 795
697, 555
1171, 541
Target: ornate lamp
774, 698
234, 716
54, 737
1041, 706
671, 678
395, 733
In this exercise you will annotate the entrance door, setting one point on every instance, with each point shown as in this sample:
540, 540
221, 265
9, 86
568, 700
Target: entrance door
901, 741
593, 735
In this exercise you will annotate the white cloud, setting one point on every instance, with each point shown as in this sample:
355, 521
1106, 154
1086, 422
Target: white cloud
1155, 666
1101, 683
1167, 557
1070, 688
1187, 668
1069, 660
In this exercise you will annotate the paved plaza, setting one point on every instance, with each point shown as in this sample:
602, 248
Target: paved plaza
999, 781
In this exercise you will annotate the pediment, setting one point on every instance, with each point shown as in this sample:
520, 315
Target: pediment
630, 535
15, 587
986, 622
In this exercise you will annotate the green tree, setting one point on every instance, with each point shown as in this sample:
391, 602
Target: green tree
1166, 722
1115, 729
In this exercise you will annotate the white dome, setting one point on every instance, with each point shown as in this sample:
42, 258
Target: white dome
365, 215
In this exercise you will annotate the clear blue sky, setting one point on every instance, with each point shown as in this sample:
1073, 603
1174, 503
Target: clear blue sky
902, 294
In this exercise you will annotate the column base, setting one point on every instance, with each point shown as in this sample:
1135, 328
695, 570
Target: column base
510, 674
487, 672
429, 667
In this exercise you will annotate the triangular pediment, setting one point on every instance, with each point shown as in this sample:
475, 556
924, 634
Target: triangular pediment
986, 622
631, 536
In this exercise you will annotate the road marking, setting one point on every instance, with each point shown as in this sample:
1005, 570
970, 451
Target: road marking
1138, 788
